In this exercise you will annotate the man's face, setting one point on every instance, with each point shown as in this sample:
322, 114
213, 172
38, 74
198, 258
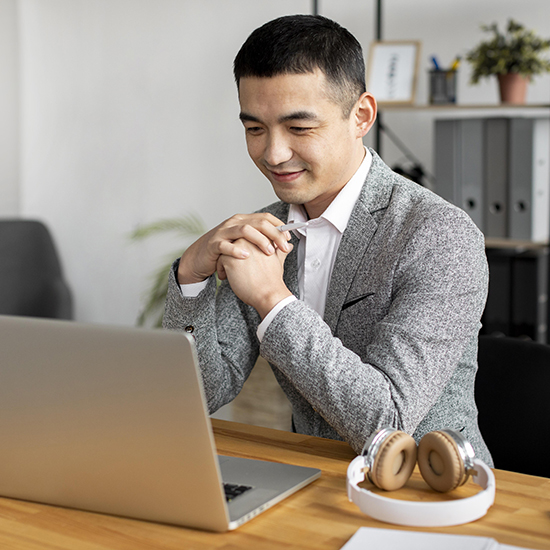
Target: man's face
299, 139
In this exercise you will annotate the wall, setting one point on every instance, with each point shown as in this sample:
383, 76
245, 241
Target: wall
128, 113
9, 110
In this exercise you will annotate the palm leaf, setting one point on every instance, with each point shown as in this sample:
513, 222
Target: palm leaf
189, 226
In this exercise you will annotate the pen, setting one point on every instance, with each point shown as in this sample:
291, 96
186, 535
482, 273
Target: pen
435, 63
455, 64
289, 226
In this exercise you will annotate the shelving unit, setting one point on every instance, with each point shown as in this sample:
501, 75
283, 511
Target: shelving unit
519, 269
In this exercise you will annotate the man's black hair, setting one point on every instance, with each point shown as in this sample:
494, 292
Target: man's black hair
296, 44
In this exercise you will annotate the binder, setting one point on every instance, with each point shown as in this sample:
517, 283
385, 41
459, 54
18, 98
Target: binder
471, 169
529, 193
459, 166
496, 174
447, 156
520, 214
540, 226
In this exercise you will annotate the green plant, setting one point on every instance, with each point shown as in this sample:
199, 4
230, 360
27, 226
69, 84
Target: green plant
515, 51
186, 227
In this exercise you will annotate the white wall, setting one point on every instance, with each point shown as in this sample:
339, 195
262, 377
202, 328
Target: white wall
128, 114
9, 111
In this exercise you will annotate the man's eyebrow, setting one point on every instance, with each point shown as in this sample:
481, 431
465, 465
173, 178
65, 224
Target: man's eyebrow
245, 117
297, 115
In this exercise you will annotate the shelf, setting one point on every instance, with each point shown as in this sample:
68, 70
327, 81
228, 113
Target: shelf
459, 106
471, 111
514, 244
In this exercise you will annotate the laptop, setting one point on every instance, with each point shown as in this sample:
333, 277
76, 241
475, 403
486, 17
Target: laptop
114, 420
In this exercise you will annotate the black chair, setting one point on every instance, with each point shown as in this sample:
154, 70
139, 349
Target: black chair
31, 280
513, 398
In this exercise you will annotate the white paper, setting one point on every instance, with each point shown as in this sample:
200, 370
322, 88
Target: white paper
369, 538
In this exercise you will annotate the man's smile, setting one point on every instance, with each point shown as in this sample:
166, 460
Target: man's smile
287, 176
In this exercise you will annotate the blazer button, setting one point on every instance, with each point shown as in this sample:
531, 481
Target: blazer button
190, 329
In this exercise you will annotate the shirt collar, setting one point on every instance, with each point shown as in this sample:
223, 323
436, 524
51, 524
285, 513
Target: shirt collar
339, 211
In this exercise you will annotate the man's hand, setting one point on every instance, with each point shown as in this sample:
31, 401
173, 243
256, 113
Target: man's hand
256, 279
200, 260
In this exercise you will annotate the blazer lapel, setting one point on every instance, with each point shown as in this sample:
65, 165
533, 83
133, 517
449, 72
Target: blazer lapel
290, 274
361, 228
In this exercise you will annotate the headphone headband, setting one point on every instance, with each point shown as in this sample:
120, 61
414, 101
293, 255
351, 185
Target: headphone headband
422, 514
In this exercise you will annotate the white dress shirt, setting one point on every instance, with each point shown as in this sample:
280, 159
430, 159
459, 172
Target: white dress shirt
317, 249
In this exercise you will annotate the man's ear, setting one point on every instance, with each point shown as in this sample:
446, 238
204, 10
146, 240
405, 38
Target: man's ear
364, 114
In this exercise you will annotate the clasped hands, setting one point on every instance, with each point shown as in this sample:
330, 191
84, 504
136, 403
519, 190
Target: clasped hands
249, 251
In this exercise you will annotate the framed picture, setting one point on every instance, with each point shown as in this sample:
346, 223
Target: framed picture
392, 71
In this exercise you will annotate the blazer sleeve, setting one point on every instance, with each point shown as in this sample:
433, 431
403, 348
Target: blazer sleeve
438, 291
224, 331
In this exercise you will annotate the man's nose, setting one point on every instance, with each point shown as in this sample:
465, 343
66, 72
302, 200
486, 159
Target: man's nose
277, 150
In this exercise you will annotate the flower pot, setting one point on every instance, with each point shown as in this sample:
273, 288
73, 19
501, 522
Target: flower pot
513, 88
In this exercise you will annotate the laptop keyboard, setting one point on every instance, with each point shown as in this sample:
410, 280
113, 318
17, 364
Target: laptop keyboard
233, 490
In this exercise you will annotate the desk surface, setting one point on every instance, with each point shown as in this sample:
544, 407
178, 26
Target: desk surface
317, 517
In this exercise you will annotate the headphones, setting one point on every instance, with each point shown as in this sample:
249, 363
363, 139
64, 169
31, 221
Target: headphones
446, 460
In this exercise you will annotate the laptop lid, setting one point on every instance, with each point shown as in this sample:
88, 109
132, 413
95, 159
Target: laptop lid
113, 420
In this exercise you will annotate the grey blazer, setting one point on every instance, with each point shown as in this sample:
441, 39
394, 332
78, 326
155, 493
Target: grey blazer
398, 342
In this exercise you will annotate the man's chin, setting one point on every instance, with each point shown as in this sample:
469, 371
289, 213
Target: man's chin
289, 196
290, 192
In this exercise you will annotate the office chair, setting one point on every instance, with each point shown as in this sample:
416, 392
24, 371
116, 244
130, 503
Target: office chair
31, 281
512, 396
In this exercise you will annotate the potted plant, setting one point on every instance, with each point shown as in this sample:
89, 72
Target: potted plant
514, 57
187, 227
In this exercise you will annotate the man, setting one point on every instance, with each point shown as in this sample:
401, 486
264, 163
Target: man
391, 280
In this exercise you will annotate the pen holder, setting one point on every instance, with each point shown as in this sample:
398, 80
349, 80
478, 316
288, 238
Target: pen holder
442, 87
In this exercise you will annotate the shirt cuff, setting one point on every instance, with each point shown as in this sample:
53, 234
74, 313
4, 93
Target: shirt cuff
262, 327
192, 290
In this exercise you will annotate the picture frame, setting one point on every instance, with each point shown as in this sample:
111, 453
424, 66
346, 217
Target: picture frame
392, 71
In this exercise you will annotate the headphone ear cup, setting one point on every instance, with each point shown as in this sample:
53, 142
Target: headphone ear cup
394, 462
440, 462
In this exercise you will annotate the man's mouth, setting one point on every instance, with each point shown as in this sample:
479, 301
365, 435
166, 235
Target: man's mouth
286, 176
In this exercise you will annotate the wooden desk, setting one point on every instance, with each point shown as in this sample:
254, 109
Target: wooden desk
317, 517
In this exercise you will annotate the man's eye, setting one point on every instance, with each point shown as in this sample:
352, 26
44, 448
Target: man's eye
300, 129
253, 130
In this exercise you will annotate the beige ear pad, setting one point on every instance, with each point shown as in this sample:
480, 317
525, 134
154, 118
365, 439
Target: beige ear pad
394, 462
440, 462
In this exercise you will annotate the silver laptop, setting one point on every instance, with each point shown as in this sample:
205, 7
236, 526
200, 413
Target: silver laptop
113, 420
